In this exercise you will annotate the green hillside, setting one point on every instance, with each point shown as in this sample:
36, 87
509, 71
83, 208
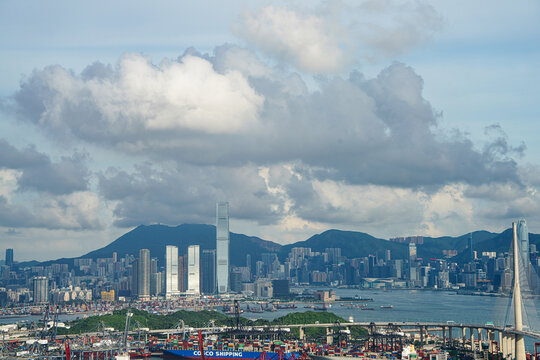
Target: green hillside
156, 237
352, 244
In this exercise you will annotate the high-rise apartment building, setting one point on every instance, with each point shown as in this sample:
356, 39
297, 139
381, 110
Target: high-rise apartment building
143, 276
222, 247
134, 278
41, 289
171, 272
153, 266
182, 273
194, 270
9, 257
208, 262
155, 283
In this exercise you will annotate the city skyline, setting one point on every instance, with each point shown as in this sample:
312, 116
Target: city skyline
142, 278
409, 239
395, 118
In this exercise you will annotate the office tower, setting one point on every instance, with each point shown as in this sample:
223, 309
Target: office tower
372, 261
523, 243
208, 262
115, 256
222, 247
470, 245
153, 266
41, 289
388, 256
236, 281
9, 257
171, 272
412, 252
194, 270
143, 275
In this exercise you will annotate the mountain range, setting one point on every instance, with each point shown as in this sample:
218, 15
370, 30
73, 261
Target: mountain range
352, 243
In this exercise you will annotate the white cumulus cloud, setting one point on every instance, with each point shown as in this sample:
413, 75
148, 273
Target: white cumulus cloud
305, 40
138, 96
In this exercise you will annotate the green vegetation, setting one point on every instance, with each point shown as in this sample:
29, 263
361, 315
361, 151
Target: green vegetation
201, 319
308, 317
152, 321
312, 317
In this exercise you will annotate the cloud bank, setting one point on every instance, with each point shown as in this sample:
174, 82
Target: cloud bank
361, 131
349, 143
36, 192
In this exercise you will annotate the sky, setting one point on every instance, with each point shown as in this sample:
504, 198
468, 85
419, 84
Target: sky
389, 117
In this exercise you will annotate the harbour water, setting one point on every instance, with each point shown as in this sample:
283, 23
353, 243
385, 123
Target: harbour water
425, 305
408, 305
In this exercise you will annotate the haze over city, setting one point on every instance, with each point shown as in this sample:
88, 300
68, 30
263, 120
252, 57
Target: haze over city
388, 117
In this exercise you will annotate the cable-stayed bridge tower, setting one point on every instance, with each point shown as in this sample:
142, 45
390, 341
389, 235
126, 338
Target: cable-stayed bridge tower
519, 340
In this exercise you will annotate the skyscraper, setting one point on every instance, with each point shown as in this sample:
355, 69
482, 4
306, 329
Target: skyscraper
470, 245
134, 278
222, 247
143, 276
155, 283
182, 273
171, 272
208, 262
194, 270
412, 252
9, 257
41, 289
523, 243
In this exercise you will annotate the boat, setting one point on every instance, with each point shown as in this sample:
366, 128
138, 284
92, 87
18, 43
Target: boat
328, 357
226, 355
123, 355
387, 307
286, 306
255, 309
409, 353
139, 354
323, 308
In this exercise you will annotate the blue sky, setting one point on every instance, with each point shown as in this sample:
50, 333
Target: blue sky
389, 117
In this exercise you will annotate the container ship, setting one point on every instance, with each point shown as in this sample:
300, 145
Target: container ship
222, 350
227, 355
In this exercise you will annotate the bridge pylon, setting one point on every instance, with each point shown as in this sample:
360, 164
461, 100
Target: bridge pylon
519, 341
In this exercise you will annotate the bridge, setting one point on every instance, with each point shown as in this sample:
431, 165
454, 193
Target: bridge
420, 327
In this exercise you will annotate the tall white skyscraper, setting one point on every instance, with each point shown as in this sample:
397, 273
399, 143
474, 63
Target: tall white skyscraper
194, 270
222, 247
143, 277
171, 272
